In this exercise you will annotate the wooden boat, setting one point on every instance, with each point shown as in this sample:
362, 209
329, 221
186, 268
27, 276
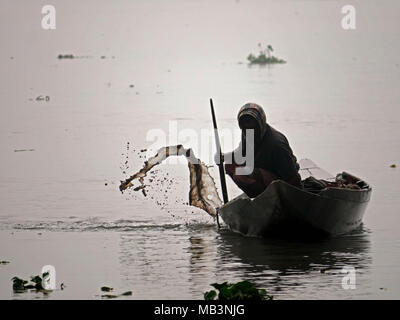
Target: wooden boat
285, 210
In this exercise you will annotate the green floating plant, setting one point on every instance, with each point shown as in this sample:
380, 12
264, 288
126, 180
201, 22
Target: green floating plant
264, 57
243, 290
65, 56
109, 296
106, 289
113, 296
36, 283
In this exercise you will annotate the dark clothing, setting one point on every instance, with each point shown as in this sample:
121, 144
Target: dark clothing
273, 157
256, 112
253, 184
273, 160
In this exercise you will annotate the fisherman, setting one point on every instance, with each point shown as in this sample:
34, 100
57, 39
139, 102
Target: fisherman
272, 156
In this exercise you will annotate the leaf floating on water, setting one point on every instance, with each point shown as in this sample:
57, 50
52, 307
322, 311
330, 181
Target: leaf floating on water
18, 284
109, 296
43, 98
30, 286
210, 295
264, 57
243, 290
65, 56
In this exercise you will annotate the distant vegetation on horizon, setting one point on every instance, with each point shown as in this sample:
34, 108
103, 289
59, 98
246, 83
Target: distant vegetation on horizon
264, 57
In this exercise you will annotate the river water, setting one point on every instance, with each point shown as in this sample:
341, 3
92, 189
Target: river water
150, 65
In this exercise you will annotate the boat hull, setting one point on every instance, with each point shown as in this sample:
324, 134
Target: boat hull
285, 210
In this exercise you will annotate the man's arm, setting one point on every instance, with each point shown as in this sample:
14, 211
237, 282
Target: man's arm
228, 157
252, 184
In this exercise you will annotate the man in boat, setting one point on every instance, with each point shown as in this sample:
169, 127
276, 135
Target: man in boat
273, 157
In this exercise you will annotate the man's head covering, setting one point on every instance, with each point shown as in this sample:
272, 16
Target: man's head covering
256, 112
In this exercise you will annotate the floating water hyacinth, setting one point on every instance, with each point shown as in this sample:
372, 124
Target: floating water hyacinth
65, 56
43, 98
106, 289
264, 57
21, 285
113, 296
243, 290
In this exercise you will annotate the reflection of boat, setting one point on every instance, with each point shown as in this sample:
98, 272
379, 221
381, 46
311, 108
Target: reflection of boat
287, 210
258, 255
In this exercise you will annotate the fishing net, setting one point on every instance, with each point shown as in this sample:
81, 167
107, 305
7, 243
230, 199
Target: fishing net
203, 191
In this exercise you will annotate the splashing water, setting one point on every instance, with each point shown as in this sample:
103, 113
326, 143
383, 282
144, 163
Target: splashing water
203, 191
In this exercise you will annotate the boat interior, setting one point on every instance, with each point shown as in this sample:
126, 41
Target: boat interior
315, 179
